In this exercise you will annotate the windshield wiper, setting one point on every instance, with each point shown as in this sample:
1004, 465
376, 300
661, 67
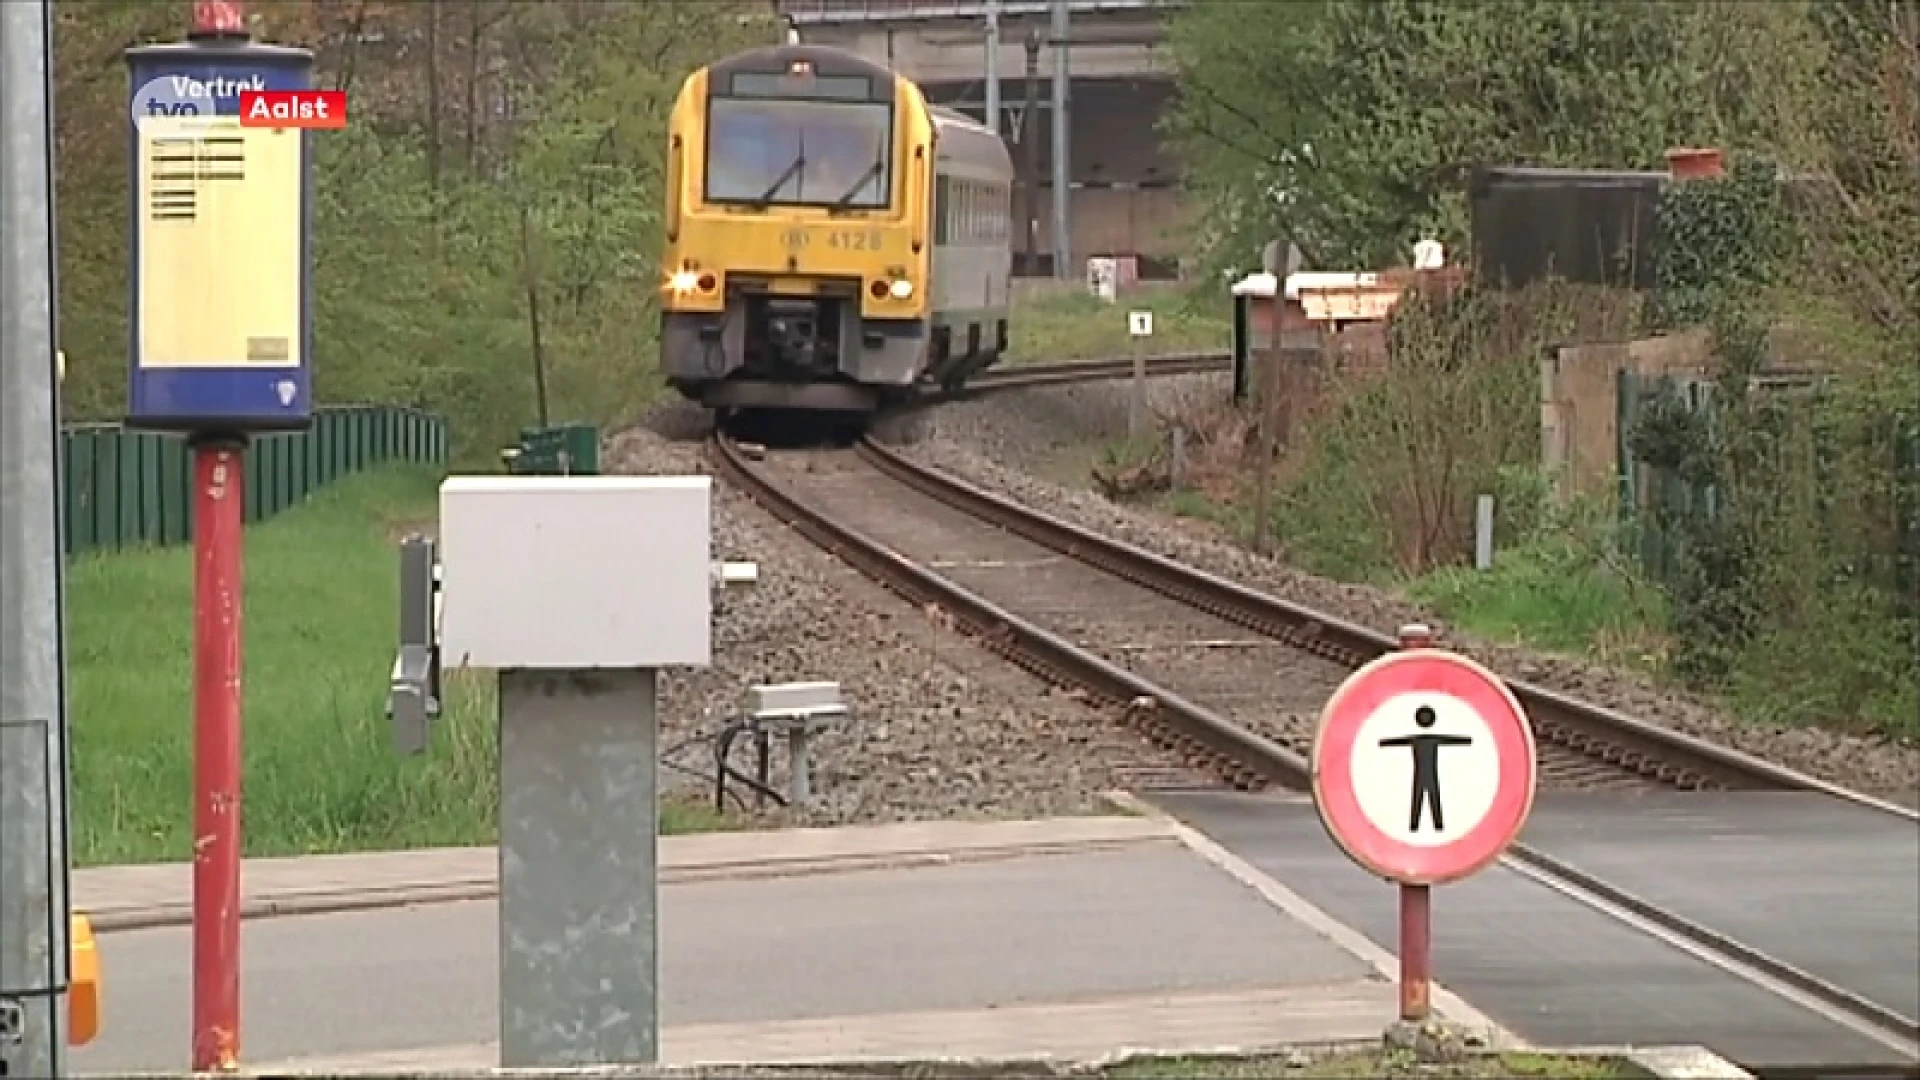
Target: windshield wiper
799, 162
873, 170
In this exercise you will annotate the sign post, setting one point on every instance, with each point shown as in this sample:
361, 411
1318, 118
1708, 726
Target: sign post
1387, 739
36, 973
1139, 329
220, 345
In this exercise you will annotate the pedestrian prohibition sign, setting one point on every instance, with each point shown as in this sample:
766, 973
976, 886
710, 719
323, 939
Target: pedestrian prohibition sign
1423, 766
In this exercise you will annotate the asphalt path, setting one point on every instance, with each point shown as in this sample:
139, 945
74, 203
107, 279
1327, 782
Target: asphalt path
976, 935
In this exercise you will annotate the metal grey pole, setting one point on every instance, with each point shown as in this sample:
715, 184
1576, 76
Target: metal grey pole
579, 868
993, 65
1137, 400
1030, 159
33, 760
1483, 533
1062, 175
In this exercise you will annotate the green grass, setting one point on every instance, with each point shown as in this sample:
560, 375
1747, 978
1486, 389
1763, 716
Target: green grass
1553, 594
1075, 326
1546, 597
1374, 1063
321, 774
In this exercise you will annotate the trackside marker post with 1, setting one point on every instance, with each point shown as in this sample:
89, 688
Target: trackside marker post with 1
1423, 773
1139, 329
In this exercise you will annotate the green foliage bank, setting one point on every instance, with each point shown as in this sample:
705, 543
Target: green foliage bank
496, 193
1794, 576
1351, 127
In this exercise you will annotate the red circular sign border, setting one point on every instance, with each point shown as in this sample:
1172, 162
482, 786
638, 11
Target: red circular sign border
1398, 673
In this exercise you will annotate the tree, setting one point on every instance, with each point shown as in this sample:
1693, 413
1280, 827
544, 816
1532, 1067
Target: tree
1353, 124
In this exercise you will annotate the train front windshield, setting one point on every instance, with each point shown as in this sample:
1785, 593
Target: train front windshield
766, 151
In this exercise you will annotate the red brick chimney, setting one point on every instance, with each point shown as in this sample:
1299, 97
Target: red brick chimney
1695, 164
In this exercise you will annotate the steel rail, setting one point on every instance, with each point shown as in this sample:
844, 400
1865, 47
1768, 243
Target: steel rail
1838, 1073
1023, 378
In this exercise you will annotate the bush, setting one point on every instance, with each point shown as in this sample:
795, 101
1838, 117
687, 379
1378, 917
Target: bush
1385, 479
1792, 583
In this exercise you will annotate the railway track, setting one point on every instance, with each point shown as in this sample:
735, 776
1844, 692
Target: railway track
1036, 589
1581, 745
1080, 371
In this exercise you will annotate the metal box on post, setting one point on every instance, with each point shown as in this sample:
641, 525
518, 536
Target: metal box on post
573, 573
577, 590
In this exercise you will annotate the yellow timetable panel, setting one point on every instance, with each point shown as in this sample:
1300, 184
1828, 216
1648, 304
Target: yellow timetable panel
219, 230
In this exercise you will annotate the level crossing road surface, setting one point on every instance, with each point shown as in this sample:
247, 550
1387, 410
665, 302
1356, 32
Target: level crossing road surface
1830, 888
1074, 949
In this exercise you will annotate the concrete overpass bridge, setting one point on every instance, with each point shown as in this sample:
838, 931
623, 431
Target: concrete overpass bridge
1124, 197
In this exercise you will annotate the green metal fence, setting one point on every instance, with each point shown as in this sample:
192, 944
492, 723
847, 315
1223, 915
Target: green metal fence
131, 488
1652, 500
1651, 497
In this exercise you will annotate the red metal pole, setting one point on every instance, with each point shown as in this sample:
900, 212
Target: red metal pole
218, 524
1416, 951
1416, 904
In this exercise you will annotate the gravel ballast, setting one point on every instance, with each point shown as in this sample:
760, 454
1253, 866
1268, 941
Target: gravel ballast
978, 440
941, 728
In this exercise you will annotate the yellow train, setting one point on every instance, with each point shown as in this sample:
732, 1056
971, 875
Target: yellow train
832, 241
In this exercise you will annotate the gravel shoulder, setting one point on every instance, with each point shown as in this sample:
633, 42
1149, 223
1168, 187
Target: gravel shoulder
941, 728
1001, 442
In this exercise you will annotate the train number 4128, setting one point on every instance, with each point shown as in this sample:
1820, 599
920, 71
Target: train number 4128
854, 239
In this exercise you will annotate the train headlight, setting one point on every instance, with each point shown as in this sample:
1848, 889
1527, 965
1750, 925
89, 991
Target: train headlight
901, 288
684, 281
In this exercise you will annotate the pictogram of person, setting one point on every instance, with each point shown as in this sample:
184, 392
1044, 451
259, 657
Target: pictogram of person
1426, 766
